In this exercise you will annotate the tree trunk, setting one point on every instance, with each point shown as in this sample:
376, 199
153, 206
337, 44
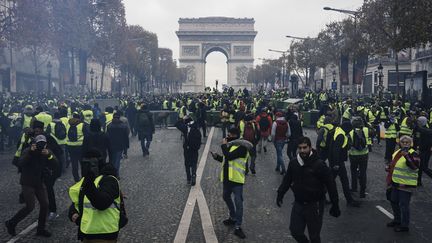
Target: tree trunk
397, 76
102, 76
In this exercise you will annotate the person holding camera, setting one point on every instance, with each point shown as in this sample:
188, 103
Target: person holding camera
33, 164
236, 152
97, 204
309, 178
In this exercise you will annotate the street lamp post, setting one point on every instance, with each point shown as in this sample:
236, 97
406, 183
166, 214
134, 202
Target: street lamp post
284, 67
49, 69
380, 77
334, 85
355, 15
91, 80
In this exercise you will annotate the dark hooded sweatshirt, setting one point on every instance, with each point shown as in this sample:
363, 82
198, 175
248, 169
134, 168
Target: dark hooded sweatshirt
309, 180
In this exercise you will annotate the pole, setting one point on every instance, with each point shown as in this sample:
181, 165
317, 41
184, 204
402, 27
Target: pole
49, 84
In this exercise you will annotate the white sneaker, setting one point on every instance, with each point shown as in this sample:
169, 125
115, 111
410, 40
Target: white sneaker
52, 216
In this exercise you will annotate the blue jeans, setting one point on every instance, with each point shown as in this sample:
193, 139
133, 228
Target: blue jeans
279, 145
400, 201
115, 160
235, 212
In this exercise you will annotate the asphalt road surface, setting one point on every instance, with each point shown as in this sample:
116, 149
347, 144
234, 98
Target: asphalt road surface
162, 208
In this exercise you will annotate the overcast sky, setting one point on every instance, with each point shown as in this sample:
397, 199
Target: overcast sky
273, 20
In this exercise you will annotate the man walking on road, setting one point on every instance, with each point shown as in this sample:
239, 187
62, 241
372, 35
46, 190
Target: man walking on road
235, 155
309, 178
145, 127
191, 145
118, 136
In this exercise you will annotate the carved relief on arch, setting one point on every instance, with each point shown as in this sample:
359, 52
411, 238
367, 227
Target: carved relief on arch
225, 48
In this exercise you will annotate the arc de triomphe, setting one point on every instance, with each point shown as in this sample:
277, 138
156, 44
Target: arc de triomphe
198, 37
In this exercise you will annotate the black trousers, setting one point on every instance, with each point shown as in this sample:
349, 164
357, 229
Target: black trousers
49, 183
390, 148
424, 163
310, 215
358, 171
191, 160
75, 157
292, 149
29, 194
343, 177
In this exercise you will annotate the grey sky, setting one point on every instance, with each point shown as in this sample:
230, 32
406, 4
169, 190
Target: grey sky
273, 20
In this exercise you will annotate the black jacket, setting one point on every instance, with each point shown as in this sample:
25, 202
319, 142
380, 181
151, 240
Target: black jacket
101, 198
36, 167
191, 134
240, 152
118, 135
309, 182
425, 140
150, 129
296, 129
337, 155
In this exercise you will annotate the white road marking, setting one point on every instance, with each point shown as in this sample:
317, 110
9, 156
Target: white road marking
384, 211
196, 194
24, 232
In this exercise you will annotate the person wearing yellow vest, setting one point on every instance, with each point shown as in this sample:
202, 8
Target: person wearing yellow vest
43, 117
337, 157
224, 118
87, 114
360, 142
99, 213
326, 129
235, 155
75, 137
27, 116
401, 183
35, 160
406, 127
392, 128
109, 113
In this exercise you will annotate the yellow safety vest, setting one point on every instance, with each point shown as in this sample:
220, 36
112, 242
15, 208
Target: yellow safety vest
340, 131
327, 129
354, 151
165, 105
181, 112
27, 121
402, 174
391, 132
80, 136
404, 129
45, 118
236, 168
87, 115
52, 133
94, 221
108, 119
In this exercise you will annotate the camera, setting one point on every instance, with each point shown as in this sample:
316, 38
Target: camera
40, 146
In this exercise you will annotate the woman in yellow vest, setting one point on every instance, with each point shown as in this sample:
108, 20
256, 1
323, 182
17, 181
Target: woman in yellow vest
401, 182
98, 214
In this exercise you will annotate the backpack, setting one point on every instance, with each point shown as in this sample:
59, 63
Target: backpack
73, 133
143, 120
60, 130
264, 123
359, 140
249, 132
281, 129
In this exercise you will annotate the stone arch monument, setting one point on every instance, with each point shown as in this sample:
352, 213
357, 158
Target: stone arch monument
198, 37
